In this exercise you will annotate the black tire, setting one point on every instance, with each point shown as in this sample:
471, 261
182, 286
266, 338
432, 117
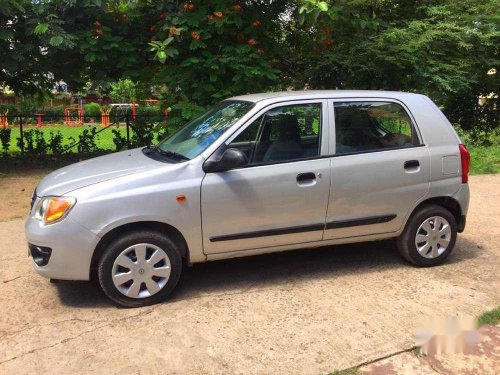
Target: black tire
406, 241
116, 247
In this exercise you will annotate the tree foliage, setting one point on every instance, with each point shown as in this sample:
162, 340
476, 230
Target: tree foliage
202, 51
216, 49
440, 48
123, 91
78, 41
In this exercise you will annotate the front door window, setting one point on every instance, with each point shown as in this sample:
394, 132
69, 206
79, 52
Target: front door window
282, 134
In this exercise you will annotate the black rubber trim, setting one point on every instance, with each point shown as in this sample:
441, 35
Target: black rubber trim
305, 228
461, 224
269, 232
358, 222
33, 199
376, 150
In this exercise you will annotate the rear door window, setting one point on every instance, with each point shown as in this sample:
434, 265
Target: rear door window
368, 126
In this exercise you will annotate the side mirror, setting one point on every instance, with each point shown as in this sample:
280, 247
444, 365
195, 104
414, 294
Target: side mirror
231, 158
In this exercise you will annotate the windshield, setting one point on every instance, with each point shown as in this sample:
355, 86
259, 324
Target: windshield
200, 133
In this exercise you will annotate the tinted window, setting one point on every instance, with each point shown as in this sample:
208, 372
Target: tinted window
284, 133
364, 126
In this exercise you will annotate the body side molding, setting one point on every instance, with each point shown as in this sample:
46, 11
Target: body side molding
305, 228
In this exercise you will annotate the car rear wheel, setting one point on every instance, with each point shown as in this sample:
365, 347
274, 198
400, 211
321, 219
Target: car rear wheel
140, 268
429, 236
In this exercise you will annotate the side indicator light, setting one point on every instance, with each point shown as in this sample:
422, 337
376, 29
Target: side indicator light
181, 198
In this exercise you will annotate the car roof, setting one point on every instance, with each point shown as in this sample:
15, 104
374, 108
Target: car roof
321, 94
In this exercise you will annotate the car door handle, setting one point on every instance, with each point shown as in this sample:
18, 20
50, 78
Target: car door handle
412, 164
306, 178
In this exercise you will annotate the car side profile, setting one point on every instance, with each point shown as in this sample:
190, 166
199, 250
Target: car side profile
256, 174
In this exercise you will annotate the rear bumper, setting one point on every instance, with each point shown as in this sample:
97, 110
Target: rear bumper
461, 224
462, 196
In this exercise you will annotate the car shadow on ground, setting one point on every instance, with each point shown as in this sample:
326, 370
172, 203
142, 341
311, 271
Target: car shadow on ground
272, 270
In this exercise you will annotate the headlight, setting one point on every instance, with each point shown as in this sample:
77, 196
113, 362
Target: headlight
53, 209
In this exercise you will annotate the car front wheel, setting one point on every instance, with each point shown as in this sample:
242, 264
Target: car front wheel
140, 268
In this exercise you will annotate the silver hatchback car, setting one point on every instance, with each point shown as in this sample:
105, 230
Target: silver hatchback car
256, 174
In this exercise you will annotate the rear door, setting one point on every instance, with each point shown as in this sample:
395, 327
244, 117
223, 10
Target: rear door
380, 167
280, 198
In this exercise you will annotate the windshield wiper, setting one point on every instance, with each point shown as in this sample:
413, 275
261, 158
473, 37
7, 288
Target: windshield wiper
170, 154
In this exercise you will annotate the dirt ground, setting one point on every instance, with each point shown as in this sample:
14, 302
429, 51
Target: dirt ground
484, 358
310, 312
15, 192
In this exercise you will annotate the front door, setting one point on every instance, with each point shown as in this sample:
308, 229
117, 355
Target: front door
380, 168
280, 198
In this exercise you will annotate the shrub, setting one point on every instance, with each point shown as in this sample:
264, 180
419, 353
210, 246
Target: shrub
55, 111
8, 107
27, 106
56, 143
34, 142
41, 145
142, 132
149, 111
119, 140
92, 110
478, 137
5, 139
87, 141
27, 143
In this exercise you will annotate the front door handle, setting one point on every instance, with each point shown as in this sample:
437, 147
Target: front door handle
306, 178
412, 164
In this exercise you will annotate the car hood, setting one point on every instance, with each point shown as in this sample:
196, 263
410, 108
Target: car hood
95, 170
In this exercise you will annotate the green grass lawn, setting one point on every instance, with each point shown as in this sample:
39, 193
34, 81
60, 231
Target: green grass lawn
104, 140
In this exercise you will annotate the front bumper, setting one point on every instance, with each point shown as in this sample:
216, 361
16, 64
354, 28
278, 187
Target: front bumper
71, 248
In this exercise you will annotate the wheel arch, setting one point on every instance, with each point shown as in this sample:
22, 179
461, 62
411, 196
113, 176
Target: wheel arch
449, 203
161, 227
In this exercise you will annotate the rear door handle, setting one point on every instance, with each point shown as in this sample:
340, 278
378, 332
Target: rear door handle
412, 164
306, 178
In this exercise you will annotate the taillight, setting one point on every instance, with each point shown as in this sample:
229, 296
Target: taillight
465, 160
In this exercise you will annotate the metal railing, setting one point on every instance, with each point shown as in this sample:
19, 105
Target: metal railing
46, 134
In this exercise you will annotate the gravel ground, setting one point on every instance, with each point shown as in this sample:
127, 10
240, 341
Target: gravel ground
308, 312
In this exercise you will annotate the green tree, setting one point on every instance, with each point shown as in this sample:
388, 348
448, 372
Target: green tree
212, 50
442, 48
78, 41
123, 90
198, 51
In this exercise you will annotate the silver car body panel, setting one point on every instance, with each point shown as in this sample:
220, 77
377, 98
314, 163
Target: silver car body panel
72, 248
128, 187
103, 168
251, 200
375, 185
